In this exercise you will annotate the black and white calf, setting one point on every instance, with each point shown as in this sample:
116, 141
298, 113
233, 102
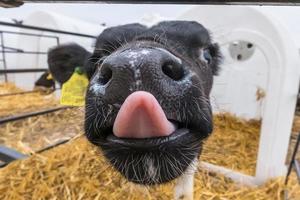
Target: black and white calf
45, 82
147, 105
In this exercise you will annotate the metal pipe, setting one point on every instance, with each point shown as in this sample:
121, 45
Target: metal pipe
57, 41
27, 52
3, 55
27, 92
197, 2
53, 145
7, 154
32, 114
28, 34
293, 159
12, 48
18, 93
45, 29
26, 70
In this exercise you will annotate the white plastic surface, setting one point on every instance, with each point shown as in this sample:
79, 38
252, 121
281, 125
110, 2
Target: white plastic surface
264, 86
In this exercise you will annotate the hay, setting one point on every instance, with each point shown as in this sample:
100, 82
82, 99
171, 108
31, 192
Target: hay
16, 104
234, 143
35, 133
77, 170
296, 124
7, 88
294, 135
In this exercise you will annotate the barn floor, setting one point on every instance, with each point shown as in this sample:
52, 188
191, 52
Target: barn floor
76, 170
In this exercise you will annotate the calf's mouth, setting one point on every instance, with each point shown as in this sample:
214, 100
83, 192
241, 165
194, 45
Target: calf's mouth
141, 123
144, 145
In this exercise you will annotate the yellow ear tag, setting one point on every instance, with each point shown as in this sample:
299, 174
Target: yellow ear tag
49, 77
73, 91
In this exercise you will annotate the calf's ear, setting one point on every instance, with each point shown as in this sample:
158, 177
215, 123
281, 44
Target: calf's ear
90, 66
216, 56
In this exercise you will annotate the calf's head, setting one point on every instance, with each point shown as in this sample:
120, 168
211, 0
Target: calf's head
63, 59
147, 106
45, 82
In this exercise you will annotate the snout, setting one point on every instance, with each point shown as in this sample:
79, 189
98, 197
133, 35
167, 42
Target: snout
149, 69
140, 63
126, 73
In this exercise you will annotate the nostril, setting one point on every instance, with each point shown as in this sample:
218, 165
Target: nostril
173, 70
105, 74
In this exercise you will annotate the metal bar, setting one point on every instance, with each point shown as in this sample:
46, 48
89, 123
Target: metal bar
8, 154
16, 50
53, 145
57, 41
297, 169
27, 52
293, 159
212, 2
12, 48
25, 92
32, 114
45, 29
26, 70
39, 151
28, 34
18, 93
3, 55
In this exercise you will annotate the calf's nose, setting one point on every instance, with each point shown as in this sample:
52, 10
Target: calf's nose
131, 64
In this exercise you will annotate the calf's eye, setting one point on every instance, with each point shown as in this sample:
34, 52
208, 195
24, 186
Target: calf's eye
205, 55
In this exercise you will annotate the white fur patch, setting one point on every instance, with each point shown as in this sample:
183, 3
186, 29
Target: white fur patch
145, 52
151, 168
184, 188
96, 88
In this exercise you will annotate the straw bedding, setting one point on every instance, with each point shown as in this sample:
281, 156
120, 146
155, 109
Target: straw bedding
234, 143
32, 134
17, 104
77, 170
35, 133
7, 88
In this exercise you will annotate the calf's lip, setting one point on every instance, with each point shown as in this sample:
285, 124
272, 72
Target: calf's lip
180, 135
146, 143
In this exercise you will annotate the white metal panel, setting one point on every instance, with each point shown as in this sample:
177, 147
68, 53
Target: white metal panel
52, 21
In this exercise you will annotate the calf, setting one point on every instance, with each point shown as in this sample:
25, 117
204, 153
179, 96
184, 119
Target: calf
147, 105
63, 59
45, 82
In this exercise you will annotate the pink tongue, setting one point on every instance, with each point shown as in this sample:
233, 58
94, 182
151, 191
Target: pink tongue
141, 116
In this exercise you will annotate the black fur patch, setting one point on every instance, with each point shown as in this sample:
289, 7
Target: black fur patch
63, 59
